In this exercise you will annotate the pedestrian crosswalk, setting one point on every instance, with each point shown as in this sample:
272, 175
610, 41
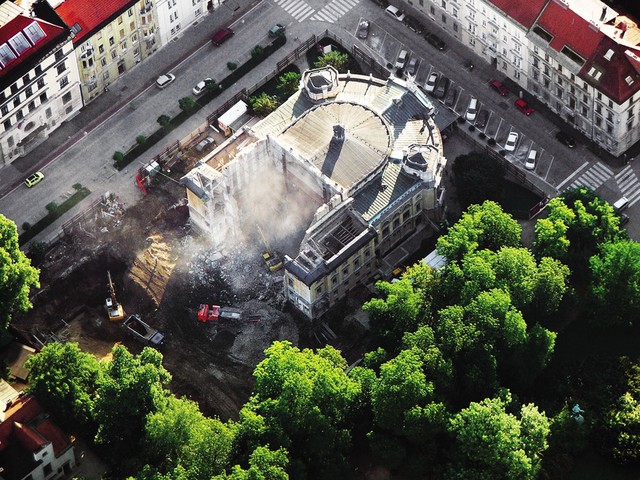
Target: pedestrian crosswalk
595, 176
628, 184
298, 9
334, 10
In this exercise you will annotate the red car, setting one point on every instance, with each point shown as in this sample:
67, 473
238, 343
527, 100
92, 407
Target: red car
499, 87
523, 107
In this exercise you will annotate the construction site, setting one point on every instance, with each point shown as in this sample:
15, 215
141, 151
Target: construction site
213, 273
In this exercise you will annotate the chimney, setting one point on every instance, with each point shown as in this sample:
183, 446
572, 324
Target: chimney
604, 14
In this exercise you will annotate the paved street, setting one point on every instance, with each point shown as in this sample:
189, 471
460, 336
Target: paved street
80, 151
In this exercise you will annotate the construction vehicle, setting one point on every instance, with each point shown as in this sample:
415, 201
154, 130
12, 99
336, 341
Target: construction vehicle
213, 313
272, 260
114, 309
143, 332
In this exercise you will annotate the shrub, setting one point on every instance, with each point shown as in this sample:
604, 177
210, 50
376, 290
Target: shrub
263, 104
481, 135
257, 51
52, 207
491, 141
232, 66
26, 226
118, 156
472, 128
503, 152
140, 139
461, 120
164, 120
186, 103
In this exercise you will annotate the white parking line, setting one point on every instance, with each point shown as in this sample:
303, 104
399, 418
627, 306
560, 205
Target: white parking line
573, 174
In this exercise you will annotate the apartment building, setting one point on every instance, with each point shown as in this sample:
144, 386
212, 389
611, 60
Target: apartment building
580, 57
110, 38
40, 86
174, 16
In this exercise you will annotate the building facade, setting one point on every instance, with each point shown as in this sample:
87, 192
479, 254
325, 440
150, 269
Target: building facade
40, 85
175, 16
366, 151
581, 58
110, 38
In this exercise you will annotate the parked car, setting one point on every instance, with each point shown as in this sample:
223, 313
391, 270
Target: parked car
512, 141
363, 29
472, 110
277, 29
565, 138
530, 163
431, 83
436, 41
499, 87
411, 66
164, 80
33, 179
205, 143
483, 117
452, 95
201, 86
414, 24
403, 56
395, 12
221, 36
624, 219
523, 107
442, 87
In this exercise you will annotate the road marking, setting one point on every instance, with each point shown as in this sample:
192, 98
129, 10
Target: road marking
593, 177
573, 174
334, 10
296, 8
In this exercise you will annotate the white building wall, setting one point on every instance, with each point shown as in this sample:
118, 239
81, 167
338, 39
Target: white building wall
174, 16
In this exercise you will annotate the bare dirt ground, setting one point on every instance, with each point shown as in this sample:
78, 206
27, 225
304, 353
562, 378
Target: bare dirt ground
163, 273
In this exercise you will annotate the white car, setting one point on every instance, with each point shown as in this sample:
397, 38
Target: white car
395, 12
402, 59
472, 110
530, 163
164, 80
201, 87
432, 81
512, 141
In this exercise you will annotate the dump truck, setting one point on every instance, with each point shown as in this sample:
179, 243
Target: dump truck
213, 313
143, 332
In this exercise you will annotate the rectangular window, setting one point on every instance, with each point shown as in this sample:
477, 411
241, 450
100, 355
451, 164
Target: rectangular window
444, 18
19, 115
31, 106
29, 91
112, 41
41, 83
114, 54
16, 101
47, 469
103, 62
48, 112
64, 81
61, 68
66, 98
59, 55
43, 97
4, 110
7, 125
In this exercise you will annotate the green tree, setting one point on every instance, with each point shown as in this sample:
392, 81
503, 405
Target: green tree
289, 83
304, 398
336, 59
18, 276
477, 177
481, 226
615, 284
551, 284
131, 388
180, 438
64, 379
491, 444
263, 104
186, 104
264, 464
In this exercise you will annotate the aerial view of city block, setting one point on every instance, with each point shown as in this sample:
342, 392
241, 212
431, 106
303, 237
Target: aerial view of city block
319, 239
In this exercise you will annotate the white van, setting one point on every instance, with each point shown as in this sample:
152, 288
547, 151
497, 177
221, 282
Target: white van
472, 110
621, 204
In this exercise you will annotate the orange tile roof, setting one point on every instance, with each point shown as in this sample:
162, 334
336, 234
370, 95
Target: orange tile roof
28, 437
523, 12
51, 432
90, 15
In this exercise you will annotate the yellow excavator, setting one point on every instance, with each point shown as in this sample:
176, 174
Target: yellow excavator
114, 309
269, 256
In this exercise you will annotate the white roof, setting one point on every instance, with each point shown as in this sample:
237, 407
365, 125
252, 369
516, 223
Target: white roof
435, 260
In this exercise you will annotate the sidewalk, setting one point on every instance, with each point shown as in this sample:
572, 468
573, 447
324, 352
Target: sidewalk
120, 94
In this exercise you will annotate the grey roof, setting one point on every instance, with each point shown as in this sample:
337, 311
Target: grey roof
382, 191
365, 148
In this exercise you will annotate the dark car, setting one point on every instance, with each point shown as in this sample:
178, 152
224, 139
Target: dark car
221, 36
624, 219
442, 87
567, 139
499, 87
523, 106
451, 97
363, 29
481, 120
436, 41
414, 24
277, 29
205, 143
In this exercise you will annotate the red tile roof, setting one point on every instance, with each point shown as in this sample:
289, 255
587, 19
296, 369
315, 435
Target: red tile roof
19, 23
523, 12
19, 425
90, 15
621, 66
570, 29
